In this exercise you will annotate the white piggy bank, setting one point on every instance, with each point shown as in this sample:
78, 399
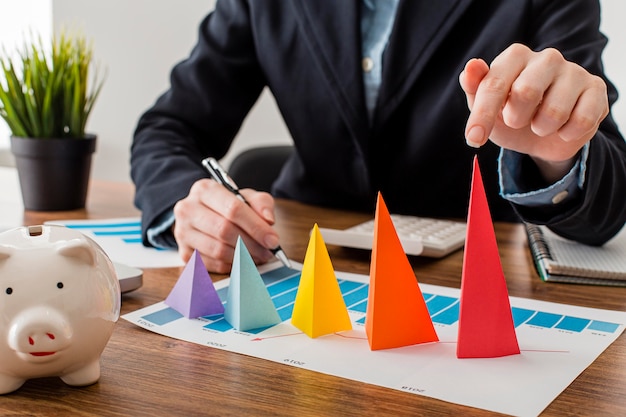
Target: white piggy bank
59, 300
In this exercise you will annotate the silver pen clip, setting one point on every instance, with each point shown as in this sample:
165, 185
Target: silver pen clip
220, 175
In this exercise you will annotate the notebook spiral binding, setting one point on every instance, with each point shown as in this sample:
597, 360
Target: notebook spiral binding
537, 242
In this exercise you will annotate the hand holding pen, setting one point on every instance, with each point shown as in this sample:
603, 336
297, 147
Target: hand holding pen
221, 176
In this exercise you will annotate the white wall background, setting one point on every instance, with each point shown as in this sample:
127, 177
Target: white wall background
612, 25
138, 41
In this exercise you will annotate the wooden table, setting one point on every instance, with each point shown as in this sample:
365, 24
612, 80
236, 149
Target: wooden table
147, 374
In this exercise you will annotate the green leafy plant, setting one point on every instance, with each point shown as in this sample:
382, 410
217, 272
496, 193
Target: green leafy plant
45, 91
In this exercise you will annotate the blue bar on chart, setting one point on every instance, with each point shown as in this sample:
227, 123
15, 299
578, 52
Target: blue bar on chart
161, 317
282, 285
129, 232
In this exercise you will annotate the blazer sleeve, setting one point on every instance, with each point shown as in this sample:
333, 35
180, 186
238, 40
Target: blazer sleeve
211, 92
600, 211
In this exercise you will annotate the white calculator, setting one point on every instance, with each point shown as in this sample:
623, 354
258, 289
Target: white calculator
418, 235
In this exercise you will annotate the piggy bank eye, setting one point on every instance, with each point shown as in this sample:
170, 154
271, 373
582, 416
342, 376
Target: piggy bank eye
59, 285
9, 290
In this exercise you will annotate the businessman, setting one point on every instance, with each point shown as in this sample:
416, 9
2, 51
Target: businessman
386, 95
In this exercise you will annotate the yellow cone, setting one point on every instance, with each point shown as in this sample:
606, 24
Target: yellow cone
319, 308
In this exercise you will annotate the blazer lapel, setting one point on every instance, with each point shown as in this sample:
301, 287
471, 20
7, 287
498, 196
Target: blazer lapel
333, 34
419, 28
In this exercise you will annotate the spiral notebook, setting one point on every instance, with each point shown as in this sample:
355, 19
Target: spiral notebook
561, 260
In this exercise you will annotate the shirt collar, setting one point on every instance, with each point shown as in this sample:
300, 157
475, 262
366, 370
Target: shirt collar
370, 4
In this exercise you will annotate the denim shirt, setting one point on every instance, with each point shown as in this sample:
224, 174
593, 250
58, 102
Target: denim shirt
377, 18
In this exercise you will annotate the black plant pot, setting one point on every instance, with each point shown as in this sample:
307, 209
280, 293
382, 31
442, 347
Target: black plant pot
54, 173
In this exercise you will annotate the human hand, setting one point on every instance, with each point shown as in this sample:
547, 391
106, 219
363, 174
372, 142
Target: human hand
535, 103
211, 218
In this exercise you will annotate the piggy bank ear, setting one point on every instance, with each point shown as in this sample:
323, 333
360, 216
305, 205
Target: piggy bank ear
5, 252
79, 249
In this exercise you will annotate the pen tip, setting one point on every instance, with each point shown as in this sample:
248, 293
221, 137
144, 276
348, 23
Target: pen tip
283, 258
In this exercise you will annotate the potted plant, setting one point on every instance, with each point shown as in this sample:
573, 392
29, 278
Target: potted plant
46, 96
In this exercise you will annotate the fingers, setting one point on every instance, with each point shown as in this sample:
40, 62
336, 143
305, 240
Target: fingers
249, 219
210, 219
217, 257
531, 83
262, 203
581, 115
470, 78
491, 96
554, 96
528, 95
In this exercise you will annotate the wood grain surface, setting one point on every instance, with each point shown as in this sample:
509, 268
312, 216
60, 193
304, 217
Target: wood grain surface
145, 374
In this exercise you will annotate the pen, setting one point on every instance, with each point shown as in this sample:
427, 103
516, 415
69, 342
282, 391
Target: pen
220, 175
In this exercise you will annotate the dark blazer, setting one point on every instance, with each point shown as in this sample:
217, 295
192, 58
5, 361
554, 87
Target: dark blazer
413, 150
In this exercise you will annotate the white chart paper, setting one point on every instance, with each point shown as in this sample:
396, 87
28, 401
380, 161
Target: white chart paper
557, 343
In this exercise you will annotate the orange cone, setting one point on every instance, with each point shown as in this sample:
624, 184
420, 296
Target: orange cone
396, 311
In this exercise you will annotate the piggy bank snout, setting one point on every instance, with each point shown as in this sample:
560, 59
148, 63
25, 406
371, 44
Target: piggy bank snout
39, 333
